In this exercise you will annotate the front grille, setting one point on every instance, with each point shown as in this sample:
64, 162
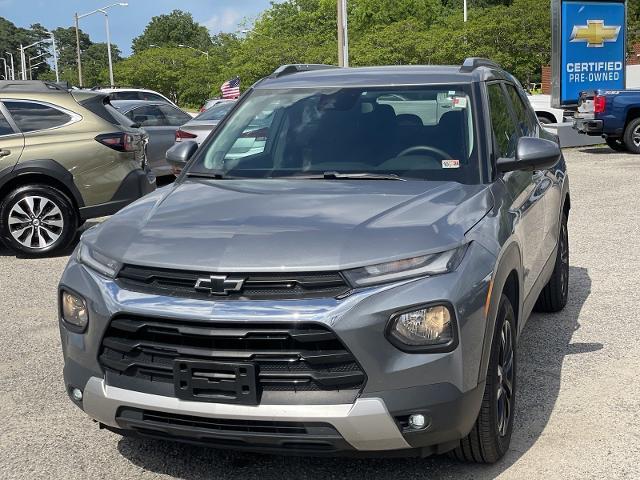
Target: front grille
252, 434
256, 286
288, 357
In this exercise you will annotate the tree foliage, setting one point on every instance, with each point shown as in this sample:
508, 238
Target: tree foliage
170, 30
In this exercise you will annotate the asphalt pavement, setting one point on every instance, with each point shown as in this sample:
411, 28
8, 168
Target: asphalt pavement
578, 404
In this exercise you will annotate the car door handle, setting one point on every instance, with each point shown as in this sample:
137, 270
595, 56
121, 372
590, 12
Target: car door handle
4, 153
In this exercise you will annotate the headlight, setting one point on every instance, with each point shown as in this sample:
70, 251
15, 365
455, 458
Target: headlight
424, 265
97, 261
74, 310
431, 327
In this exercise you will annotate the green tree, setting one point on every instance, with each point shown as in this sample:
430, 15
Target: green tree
172, 29
66, 45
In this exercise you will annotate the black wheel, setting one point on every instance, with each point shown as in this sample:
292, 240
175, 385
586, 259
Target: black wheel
544, 120
616, 144
554, 295
37, 220
632, 136
490, 436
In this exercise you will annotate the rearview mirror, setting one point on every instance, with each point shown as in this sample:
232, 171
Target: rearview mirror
178, 155
532, 153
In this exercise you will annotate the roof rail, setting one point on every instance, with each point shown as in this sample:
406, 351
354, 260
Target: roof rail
30, 86
101, 87
471, 63
299, 67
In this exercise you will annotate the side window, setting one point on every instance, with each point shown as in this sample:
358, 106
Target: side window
148, 116
5, 128
174, 116
30, 116
504, 129
525, 123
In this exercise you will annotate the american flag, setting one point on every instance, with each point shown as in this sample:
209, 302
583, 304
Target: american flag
231, 88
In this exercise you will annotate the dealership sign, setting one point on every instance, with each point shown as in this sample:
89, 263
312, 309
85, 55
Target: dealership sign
588, 48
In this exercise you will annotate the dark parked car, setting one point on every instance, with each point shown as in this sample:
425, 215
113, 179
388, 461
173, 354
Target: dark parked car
160, 120
355, 284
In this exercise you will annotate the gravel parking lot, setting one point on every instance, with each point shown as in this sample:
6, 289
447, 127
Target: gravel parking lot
578, 406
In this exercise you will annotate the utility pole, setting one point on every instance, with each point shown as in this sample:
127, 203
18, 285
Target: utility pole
343, 34
78, 50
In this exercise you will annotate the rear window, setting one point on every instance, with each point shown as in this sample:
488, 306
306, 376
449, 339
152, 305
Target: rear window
99, 106
31, 116
217, 112
127, 95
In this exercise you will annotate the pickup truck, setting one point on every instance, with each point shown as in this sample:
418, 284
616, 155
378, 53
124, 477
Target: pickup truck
613, 115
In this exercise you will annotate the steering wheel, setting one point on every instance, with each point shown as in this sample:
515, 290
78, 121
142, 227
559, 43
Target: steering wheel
423, 148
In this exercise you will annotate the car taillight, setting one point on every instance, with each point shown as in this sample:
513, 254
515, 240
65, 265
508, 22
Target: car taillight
122, 142
181, 134
599, 104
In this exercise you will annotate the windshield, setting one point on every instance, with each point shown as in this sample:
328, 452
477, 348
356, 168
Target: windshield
217, 112
413, 132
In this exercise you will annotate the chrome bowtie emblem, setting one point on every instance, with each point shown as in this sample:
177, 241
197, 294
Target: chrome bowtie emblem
219, 284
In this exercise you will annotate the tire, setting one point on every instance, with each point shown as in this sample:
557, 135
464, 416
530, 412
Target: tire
632, 136
490, 436
555, 293
544, 120
616, 144
37, 220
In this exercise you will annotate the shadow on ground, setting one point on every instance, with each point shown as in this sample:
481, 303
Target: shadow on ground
600, 150
543, 346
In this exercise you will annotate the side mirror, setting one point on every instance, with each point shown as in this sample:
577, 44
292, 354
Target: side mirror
532, 153
178, 155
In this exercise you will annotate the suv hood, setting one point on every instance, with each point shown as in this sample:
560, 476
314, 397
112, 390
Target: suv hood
293, 224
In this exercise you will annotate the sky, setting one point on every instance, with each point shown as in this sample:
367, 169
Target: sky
129, 22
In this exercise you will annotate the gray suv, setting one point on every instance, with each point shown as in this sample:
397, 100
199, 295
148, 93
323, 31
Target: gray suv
344, 266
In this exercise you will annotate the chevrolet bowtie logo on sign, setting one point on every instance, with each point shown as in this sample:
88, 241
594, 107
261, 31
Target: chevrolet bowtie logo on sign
595, 33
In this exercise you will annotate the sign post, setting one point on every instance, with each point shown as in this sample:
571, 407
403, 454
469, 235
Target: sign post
588, 48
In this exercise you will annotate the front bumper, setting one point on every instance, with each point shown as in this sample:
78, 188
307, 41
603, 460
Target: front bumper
445, 387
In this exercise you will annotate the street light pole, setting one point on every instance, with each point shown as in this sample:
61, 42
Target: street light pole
13, 72
106, 24
464, 9
78, 50
102, 10
6, 77
31, 66
343, 35
55, 56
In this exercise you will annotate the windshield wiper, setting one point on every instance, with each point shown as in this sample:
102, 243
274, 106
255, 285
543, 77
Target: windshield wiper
350, 176
216, 174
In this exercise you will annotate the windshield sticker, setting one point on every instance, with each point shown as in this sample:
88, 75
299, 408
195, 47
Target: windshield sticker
459, 102
450, 163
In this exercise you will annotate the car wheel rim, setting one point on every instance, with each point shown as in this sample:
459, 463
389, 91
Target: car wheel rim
564, 260
505, 379
636, 136
35, 222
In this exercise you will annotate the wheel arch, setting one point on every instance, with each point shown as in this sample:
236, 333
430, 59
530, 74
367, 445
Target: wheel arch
507, 279
547, 115
632, 114
47, 172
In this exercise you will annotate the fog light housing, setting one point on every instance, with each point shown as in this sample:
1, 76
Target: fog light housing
74, 311
429, 328
417, 421
76, 394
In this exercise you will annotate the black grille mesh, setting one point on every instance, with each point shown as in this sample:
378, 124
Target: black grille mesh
288, 357
256, 285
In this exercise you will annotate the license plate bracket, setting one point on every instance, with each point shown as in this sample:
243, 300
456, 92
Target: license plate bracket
216, 382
